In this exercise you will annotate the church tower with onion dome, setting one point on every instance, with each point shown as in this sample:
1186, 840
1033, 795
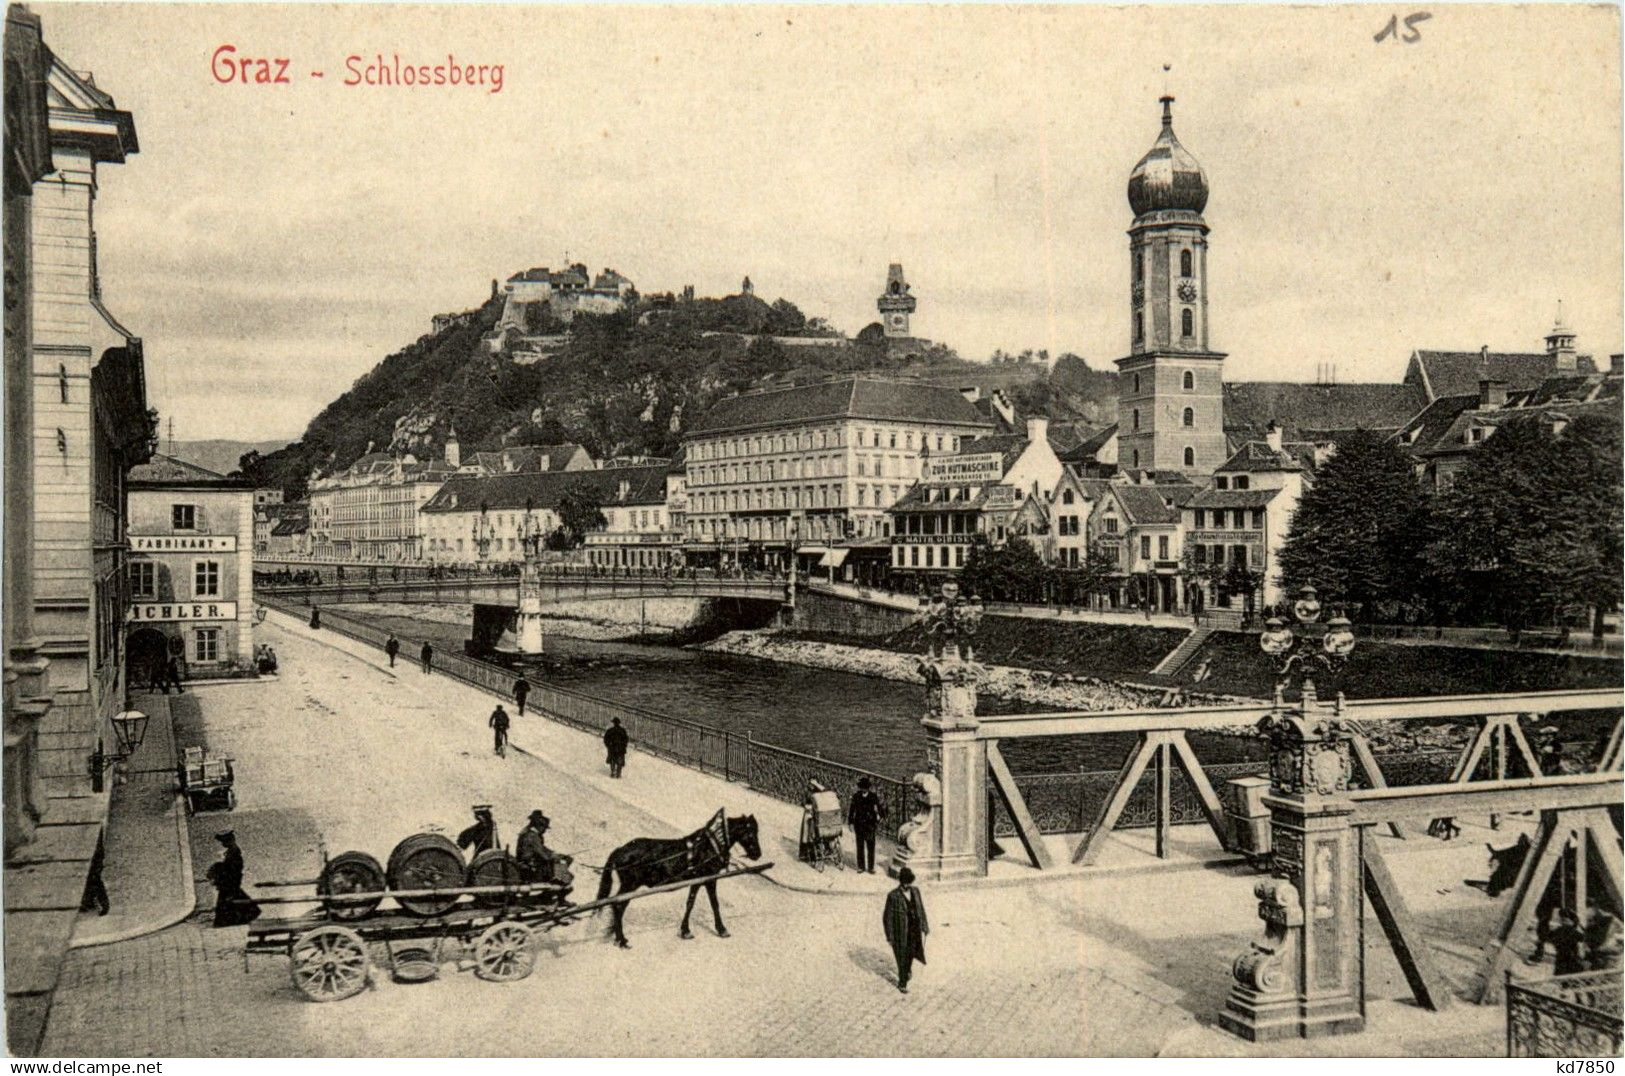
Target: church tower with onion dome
1170, 414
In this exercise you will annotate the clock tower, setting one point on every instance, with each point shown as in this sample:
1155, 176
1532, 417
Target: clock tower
1170, 385
895, 305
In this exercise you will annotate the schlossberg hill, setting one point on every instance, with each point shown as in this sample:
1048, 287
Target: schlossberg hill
630, 382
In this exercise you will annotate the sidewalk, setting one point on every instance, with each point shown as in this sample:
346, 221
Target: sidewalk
148, 867
663, 790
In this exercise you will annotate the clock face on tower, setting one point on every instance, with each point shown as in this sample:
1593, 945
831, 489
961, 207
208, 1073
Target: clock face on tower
897, 321
1187, 291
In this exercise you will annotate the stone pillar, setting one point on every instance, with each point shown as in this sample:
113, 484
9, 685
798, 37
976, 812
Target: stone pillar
948, 838
1306, 977
528, 623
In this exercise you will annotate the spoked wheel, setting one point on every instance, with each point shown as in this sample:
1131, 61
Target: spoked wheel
329, 963
505, 952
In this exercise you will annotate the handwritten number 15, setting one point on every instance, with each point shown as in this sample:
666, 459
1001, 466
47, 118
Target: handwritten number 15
1411, 35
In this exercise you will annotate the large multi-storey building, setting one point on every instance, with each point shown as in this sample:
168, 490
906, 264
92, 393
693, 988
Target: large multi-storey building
191, 570
808, 467
369, 511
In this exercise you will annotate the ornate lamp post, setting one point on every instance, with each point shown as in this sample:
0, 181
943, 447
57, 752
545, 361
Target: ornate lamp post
529, 618
947, 838
129, 729
482, 532
1305, 977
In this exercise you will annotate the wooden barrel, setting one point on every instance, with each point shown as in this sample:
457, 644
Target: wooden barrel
426, 861
493, 867
351, 872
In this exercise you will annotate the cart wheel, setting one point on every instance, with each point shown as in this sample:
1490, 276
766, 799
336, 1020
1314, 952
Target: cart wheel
505, 952
231, 799
329, 963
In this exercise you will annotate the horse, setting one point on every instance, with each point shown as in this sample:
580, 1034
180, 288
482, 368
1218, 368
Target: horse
651, 861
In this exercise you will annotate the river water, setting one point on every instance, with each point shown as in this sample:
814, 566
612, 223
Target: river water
859, 720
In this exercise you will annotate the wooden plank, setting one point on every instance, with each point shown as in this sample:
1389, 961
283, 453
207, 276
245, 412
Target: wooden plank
1483, 797
1112, 809
1605, 844
1536, 874
1524, 751
1212, 809
1004, 783
1430, 988
1165, 794
1371, 771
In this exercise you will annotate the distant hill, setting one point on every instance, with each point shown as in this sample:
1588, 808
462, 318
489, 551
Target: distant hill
220, 456
623, 384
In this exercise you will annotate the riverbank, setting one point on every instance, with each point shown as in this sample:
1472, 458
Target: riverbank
662, 620
1039, 687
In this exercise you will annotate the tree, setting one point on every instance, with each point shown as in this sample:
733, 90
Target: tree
1359, 530
1011, 572
1197, 577
1533, 522
580, 511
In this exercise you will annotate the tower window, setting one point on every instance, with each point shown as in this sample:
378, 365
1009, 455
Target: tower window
1190, 417
1136, 418
1187, 322
1136, 384
1190, 457
1184, 263
1189, 381
1136, 457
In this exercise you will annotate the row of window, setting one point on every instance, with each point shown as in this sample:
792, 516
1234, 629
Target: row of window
1189, 456
1187, 381
1187, 328
810, 439
932, 556
1203, 553
795, 497
1185, 263
144, 579
1237, 518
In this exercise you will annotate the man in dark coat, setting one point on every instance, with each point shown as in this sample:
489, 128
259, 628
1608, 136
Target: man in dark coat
315, 616
521, 691
537, 861
172, 676
1566, 941
232, 906
426, 655
392, 647
615, 741
906, 926
864, 814
481, 835
499, 730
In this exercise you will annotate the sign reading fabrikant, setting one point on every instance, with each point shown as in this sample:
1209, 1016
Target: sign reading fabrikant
183, 543
981, 467
168, 612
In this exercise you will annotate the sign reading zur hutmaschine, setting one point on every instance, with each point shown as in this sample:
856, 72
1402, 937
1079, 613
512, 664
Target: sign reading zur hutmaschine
981, 467
165, 612
183, 543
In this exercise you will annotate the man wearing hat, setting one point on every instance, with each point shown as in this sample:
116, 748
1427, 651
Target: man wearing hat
232, 906
537, 861
499, 729
864, 814
615, 741
905, 926
481, 835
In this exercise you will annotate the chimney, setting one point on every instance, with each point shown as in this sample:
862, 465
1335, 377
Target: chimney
1491, 394
622, 490
1616, 364
1037, 430
972, 393
1001, 404
1484, 355
1272, 436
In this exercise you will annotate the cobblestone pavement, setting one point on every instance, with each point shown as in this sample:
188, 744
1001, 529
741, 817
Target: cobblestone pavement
337, 749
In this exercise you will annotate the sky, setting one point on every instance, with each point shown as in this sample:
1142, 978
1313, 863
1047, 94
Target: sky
272, 243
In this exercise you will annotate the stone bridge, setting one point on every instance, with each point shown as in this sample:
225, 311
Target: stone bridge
503, 603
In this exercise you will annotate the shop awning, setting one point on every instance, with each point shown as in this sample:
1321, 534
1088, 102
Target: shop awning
834, 558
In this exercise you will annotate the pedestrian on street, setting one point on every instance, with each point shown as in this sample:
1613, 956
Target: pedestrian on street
315, 617
864, 814
392, 646
426, 655
521, 691
232, 906
538, 862
905, 925
1601, 952
481, 835
172, 675
615, 741
499, 728
1566, 941
95, 890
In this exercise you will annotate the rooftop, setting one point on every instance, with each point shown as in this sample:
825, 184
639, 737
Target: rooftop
645, 485
1250, 406
857, 397
1453, 373
164, 470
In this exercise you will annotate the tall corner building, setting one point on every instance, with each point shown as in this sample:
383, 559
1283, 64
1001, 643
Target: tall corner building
1170, 392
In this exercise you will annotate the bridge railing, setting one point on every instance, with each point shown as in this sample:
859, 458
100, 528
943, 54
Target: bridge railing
774, 771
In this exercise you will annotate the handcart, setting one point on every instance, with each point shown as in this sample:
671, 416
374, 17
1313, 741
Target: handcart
822, 824
206, 782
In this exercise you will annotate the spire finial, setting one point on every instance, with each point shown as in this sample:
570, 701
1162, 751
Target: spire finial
1167, 98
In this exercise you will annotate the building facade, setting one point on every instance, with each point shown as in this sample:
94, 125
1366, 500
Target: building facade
369, 511
191, 571
809, 467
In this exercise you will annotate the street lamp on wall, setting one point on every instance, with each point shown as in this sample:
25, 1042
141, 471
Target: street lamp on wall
129, 729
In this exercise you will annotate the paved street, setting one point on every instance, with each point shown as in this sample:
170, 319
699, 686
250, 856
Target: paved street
342, 752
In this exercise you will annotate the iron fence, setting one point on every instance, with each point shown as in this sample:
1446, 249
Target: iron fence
774, 771
1565, 1016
